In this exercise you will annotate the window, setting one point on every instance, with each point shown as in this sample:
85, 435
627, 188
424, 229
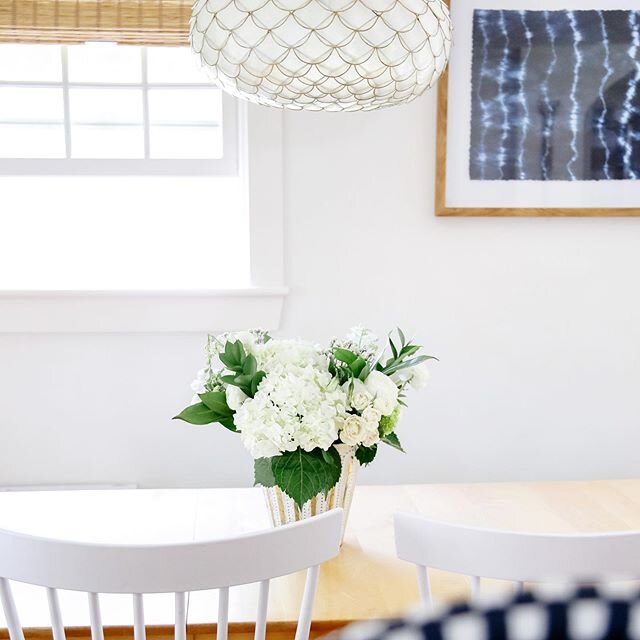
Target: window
74, 109
84, 132
125, 172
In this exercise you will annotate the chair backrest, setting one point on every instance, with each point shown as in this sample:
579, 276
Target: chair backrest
168, 568
510, 555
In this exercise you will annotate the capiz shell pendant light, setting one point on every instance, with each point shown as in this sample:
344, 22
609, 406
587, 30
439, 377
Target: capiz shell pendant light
331, 55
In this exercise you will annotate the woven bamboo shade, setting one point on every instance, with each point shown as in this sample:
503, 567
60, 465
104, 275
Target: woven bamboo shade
143, 22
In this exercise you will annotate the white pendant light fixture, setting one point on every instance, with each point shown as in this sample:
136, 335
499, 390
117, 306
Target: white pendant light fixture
331, 55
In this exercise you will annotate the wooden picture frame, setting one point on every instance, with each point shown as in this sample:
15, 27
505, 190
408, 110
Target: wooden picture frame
441, 207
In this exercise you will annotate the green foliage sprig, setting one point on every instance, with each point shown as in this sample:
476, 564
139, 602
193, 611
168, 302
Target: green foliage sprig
401, 356
213, 406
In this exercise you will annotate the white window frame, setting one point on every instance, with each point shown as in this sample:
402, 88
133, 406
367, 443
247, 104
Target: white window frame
225, 166
260, 131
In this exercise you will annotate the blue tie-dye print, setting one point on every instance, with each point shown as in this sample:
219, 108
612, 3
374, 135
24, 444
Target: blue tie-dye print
555, 95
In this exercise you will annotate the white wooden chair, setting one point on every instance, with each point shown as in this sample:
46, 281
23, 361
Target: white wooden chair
168, 568
509, 555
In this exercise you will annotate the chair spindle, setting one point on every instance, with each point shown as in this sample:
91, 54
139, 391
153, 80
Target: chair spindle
475, 587
424, 587
223, 614
180, 616
10, 611
306, 607
261, 617
95, 617
57, 627
138, 617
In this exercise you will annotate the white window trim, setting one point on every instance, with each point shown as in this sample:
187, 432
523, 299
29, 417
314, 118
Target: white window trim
260, 164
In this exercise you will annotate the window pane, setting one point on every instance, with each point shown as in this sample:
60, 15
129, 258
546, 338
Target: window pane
104, 141
30, 62
174, 65
109, 106
104, 62
28, 104
176, 106
166, 217
185, 142
31, 141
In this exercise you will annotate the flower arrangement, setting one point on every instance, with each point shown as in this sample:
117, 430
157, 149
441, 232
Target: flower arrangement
292, 402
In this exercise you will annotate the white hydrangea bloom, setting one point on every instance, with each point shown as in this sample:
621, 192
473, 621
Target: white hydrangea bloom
298, 403
384, 391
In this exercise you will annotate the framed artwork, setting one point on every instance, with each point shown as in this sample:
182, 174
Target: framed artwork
539, 112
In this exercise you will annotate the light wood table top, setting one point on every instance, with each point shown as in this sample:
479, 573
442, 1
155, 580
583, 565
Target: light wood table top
365, 581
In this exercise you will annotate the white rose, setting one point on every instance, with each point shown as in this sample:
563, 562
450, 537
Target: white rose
360, 397
419, 376
353, 430
235, 397
371, 435
384, 391
371, 416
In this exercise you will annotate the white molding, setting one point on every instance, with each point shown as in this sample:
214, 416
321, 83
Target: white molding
261, 133
140, 311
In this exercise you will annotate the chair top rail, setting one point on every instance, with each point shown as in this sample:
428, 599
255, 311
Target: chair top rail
513, 555
165, 568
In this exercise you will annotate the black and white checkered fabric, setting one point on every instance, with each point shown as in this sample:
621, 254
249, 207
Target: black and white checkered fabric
551, 613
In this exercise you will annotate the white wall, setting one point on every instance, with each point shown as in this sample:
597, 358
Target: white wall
536, 323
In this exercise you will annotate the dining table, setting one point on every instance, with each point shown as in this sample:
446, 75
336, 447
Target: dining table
365, 581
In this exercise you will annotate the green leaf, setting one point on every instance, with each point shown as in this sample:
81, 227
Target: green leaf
392, 440
357, 366
364, 374
250, 366
217, 402
409, 350
230, 361
197, 414
365, 455
304, 474
255, 382
412, 362
233, 356
344, 355
403, 340
393, 348
243, 380
263, 473
229, 424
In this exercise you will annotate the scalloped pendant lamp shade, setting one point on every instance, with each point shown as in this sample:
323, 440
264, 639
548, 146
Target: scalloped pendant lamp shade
331, 55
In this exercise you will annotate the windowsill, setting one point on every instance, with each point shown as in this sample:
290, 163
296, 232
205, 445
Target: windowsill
140, 311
